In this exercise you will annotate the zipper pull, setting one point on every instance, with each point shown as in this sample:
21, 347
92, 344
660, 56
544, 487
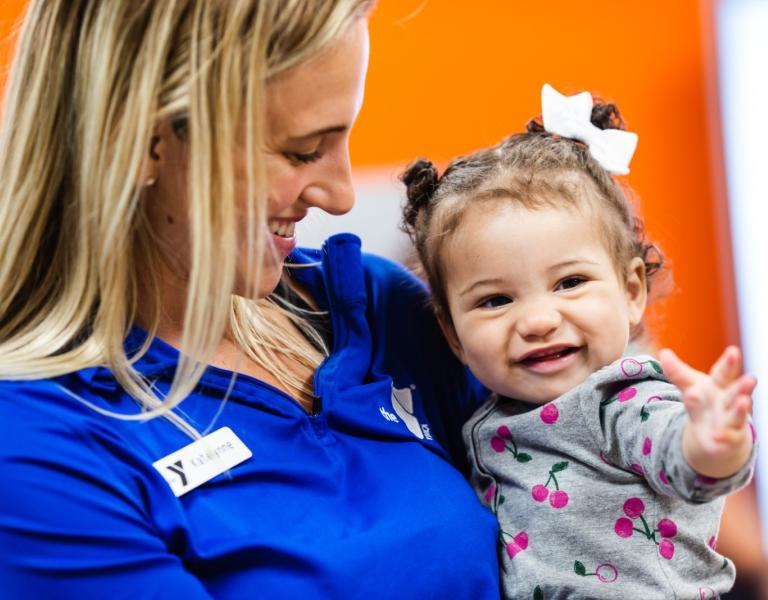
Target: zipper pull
317, 405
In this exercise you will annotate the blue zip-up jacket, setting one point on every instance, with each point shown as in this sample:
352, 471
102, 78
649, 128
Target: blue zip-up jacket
359, 501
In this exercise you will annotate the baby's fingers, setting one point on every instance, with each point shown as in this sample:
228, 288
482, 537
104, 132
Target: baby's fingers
695, 403
736, 419
735, 404
727, 367
679, 372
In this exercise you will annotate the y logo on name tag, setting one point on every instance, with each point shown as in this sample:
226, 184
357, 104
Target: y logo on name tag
201, 461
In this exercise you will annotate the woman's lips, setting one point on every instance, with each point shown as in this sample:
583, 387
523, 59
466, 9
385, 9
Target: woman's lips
283, 236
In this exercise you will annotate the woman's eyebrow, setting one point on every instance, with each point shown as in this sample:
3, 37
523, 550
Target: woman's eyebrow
319, 132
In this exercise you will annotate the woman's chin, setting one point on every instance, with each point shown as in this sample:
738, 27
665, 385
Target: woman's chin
270, 278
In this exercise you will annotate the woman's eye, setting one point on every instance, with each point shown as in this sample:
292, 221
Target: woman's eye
303, 158
495, 302
570, 283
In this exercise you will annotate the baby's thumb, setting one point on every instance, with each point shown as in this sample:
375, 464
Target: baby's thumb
678, 372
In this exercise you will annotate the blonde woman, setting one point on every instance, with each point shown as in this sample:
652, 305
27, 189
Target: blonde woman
190, 406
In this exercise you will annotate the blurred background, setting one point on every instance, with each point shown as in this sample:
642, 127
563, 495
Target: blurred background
449, 76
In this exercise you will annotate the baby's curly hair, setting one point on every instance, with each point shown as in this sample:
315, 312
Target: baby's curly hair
534, 169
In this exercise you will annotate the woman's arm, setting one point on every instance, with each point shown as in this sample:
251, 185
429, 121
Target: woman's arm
76, 515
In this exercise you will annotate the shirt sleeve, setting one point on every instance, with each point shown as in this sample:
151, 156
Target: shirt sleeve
410, 347
75, 517
641, 426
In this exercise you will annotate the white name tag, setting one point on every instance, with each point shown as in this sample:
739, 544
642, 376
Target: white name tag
200, 461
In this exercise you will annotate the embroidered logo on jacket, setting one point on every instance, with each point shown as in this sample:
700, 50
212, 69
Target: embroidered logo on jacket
402, 403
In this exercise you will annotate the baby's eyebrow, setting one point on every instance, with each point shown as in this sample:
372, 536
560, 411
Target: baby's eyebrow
481, 282
574, 262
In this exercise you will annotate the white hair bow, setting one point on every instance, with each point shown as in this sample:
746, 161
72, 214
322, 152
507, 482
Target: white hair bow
569, 116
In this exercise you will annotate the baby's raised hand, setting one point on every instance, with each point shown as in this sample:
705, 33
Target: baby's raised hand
716, 441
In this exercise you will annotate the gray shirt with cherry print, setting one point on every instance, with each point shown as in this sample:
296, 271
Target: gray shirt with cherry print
593, 496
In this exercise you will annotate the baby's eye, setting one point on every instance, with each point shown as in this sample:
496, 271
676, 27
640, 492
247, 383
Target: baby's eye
570, 282
494, 301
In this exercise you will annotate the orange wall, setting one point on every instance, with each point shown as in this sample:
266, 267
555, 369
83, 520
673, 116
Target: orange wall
449, 76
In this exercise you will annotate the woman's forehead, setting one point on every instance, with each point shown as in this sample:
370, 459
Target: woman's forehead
324, 92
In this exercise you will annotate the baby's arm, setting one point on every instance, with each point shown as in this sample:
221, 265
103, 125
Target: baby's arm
717, 441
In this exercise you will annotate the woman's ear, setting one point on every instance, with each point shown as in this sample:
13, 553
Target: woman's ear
637, 290
160, 150
150, 163
446, 325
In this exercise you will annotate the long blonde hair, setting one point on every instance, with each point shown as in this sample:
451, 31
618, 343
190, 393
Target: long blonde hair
89, 82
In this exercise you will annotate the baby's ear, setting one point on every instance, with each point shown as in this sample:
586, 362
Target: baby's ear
637, 290
446, 324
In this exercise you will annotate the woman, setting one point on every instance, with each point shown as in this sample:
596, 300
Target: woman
155, 157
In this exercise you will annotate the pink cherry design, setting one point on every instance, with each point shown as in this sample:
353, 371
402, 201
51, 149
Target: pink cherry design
549, 413
634, 507
504, 432
666, 549
630, 367
627, 394
663, 477
604, 458
667, 528
521, 539
647, 444
607, 573
513, 549
497, 444
490, 493
623, 527
637, 469
517, 545
539, 492
712, 543
558, 499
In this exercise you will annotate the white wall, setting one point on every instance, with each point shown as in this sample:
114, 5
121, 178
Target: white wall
743, 66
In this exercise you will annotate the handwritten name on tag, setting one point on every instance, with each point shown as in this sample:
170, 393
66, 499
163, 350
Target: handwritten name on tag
202, 460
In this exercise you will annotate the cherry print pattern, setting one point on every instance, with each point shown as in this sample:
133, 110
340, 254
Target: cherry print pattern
503, 441
632, 368
665, 528
549, 413
663, 475
605, 572
493, 498
514, 545
626, 394
557, 498
490, 493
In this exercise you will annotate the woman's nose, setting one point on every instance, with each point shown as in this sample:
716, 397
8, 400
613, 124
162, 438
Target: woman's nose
331, 189
538, 320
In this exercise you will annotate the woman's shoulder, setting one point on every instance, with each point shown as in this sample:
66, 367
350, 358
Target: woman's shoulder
57, 416
388, 277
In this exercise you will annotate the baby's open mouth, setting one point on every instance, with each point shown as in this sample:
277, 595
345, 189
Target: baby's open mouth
547, 354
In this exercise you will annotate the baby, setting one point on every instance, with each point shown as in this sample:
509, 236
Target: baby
607, 479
